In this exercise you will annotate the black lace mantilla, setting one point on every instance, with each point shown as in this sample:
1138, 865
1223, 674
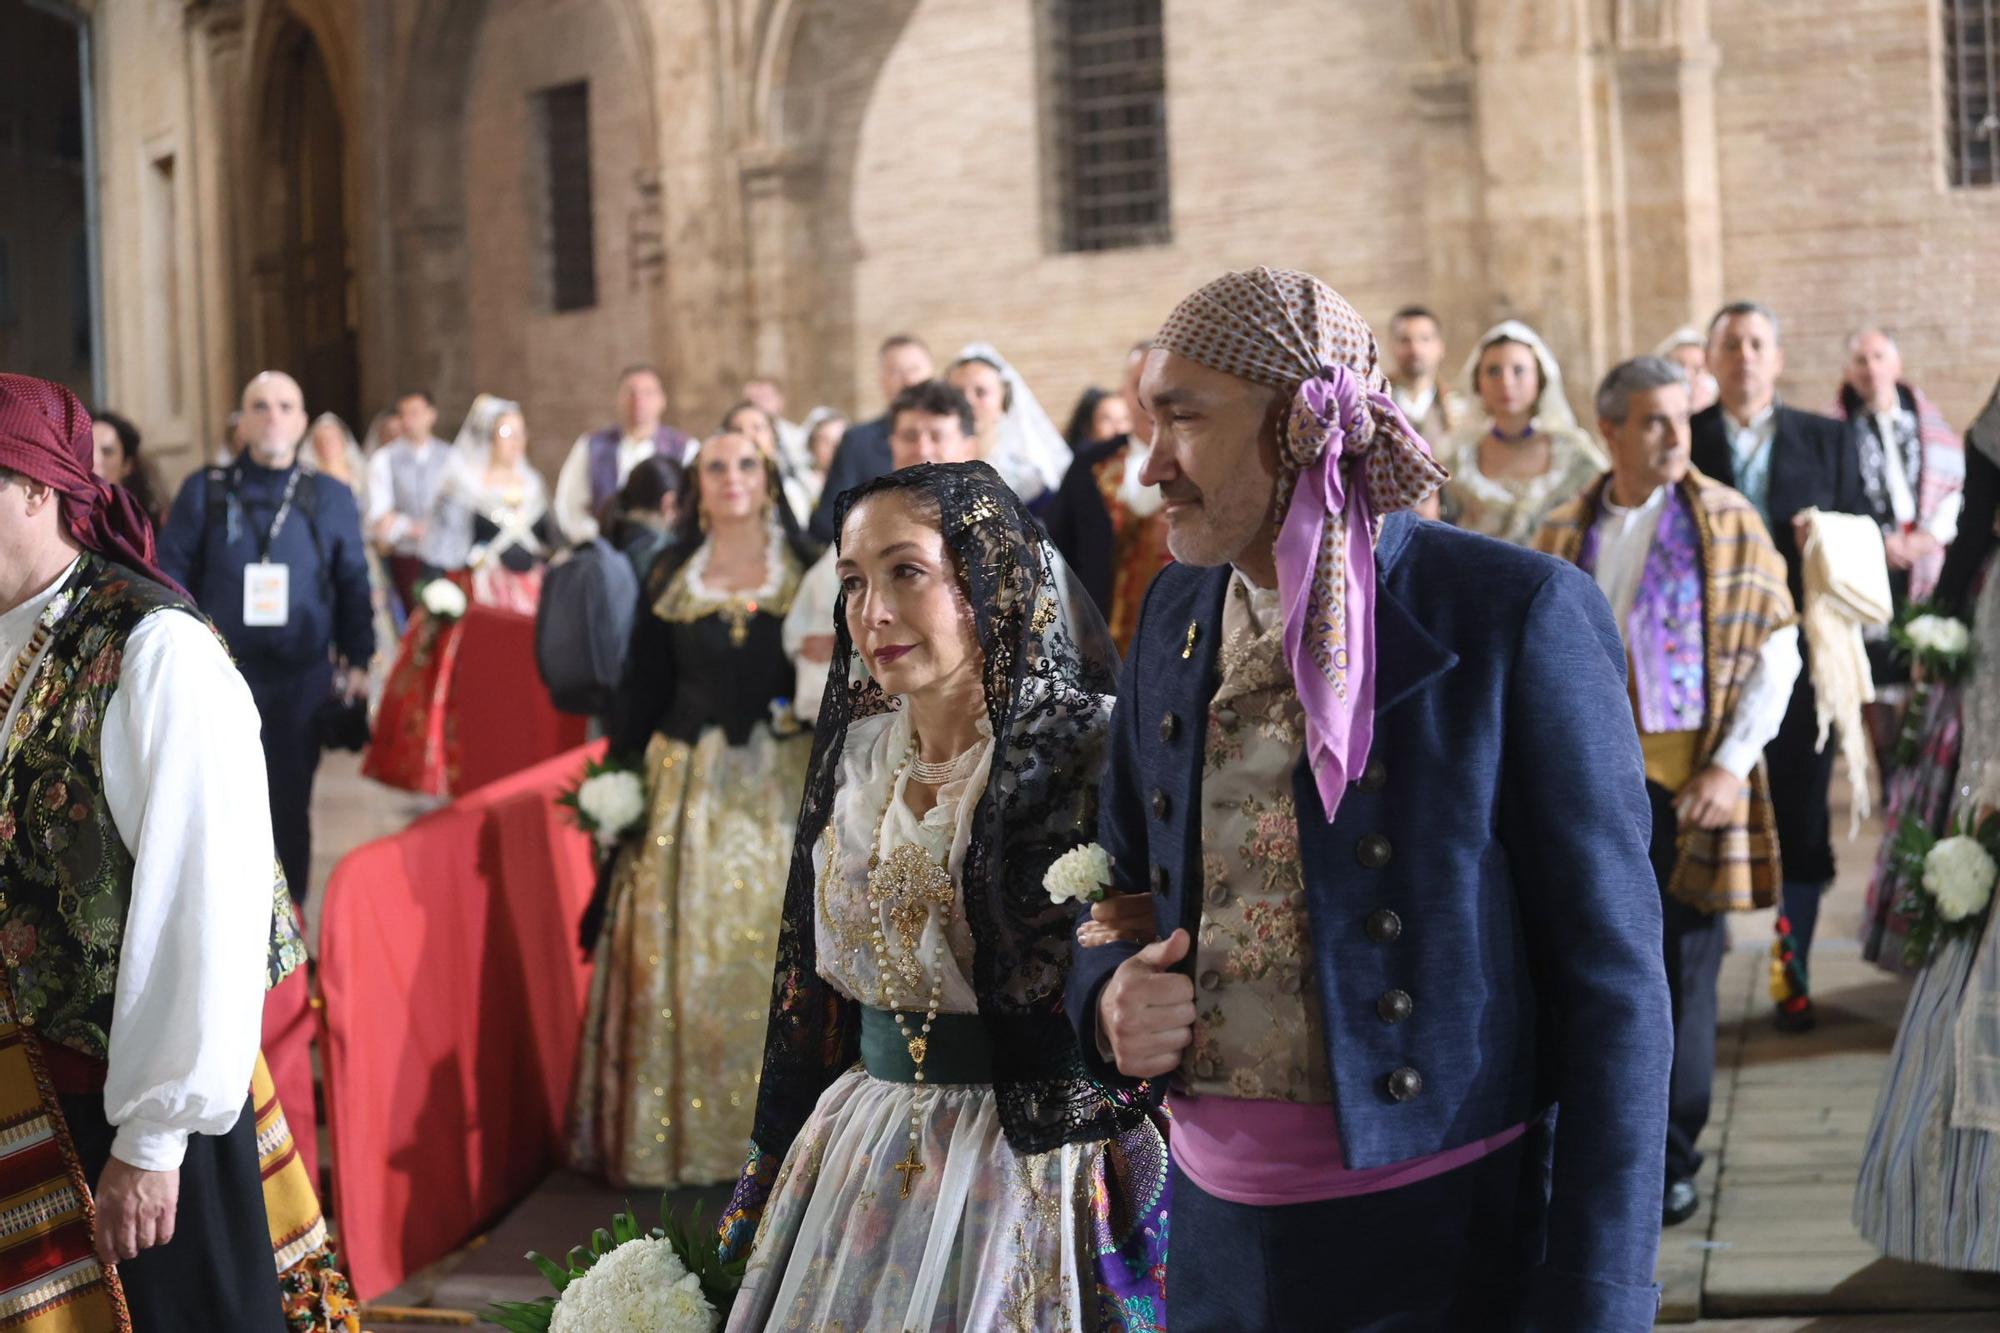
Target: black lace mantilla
1050, 671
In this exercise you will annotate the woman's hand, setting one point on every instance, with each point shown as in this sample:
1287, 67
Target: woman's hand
1122, 916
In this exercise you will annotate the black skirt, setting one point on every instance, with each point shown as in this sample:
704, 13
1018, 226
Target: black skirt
218, 1271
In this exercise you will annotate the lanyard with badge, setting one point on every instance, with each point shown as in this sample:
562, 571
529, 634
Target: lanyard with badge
267, 586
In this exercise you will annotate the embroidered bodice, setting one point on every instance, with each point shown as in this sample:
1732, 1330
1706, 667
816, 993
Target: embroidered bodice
872, 774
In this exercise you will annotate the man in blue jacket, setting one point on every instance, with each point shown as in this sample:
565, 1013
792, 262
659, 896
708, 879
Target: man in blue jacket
273, 554
1380, 781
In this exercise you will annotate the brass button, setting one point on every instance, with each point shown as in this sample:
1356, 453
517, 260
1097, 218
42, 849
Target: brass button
1159, 879
1405, 1084
1216, 894
1161, 805
1373, 778
1170, 727
1211, 980
1394, 1006
1372, 852
1384, 926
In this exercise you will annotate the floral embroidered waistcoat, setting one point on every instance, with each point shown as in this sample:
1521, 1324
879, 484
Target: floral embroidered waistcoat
1258, 1022
65, 873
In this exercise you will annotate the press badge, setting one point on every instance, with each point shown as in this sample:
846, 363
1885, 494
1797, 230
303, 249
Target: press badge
267, 594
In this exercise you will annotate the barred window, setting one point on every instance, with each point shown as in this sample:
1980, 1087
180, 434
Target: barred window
1107, 102
1972, 90
570, 224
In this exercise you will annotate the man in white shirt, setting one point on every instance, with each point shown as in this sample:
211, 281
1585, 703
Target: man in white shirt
1416, 351
1698, 591
404, 478
599, 461
138, 927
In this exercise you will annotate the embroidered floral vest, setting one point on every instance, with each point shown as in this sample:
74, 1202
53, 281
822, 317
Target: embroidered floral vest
65, 873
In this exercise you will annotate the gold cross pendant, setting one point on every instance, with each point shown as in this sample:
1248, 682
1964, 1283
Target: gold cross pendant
910, 1167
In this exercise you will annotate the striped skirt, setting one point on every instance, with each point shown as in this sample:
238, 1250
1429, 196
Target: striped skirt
1928, 1192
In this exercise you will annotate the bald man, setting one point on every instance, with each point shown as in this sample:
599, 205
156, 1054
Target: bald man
274, 556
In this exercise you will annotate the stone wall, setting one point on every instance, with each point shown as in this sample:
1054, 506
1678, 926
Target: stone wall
780, 183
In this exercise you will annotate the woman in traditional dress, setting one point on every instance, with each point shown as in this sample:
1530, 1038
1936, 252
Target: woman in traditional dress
823, 428
667, 1071
957, 1176
489, 535
1523, 454
1015, 434
1930, 1176
332, 451
746, 418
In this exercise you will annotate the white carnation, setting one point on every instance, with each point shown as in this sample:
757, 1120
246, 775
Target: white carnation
1959, 874
1080, 874
444, 599
640, 1287
1940, 634
613, 802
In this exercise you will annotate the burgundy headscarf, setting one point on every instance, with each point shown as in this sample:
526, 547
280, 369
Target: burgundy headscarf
45, 435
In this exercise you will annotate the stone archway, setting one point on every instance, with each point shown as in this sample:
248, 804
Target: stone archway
302, 316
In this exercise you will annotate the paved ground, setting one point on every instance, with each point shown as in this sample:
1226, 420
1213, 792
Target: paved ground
1772, 1251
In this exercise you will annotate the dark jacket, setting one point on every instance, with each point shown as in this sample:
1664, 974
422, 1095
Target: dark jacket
863, 455
1491, 863
209, 540
1813, 466
1080, 525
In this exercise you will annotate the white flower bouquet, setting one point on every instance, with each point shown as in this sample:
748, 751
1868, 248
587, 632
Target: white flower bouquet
609, 801
1940, 645
1080, 875
442, 599
667, 1280
1948, 882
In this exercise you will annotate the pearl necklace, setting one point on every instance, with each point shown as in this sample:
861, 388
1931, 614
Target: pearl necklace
908, 883
935, 775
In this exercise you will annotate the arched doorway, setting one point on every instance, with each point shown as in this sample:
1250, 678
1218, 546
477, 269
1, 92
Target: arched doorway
302, 274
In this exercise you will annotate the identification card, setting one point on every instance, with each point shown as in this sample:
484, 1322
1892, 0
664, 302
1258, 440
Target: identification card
267, 594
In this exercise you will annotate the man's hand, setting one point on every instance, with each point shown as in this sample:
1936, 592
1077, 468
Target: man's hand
816, 648
355, 685
1122, 916
1904, 549
1146, 1013
135, 1210
1709, 799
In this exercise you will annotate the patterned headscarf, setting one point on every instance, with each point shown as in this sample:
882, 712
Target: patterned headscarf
45, 434
1291, 331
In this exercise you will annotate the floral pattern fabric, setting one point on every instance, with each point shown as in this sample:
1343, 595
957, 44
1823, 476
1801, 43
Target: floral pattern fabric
1258, 1020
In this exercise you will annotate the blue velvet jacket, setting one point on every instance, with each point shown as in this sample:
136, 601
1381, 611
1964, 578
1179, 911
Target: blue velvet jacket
1490, 864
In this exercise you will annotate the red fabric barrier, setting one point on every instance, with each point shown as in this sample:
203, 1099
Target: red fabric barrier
498, 705
454, 996
288, 1043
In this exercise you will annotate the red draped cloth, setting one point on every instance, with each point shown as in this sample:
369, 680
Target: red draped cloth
454, 997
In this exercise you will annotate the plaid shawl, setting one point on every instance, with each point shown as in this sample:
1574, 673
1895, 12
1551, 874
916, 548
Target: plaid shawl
1744, 601
1941, 471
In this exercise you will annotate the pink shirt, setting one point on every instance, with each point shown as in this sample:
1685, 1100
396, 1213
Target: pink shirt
1269, 1153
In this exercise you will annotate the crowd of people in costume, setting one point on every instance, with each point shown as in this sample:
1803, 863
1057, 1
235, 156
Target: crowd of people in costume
1430, 738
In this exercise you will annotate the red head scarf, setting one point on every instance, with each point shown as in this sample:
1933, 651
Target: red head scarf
45, 435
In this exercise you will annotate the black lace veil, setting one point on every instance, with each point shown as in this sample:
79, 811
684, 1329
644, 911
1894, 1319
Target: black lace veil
1050, 669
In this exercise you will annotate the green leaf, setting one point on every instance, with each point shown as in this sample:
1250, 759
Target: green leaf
580, 1261
522, 1316
625, 1228
601, 1243
557, 1275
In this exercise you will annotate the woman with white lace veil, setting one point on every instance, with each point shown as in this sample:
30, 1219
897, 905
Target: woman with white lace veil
1016, 437
1929, 1189
486, 542
1522, 454
491, 514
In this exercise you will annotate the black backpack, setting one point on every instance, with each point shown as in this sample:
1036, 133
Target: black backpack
583, 625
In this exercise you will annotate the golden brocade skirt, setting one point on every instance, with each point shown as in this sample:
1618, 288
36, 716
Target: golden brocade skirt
673, 1036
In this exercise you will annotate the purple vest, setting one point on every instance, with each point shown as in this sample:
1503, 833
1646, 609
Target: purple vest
1664, 631
604, 459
